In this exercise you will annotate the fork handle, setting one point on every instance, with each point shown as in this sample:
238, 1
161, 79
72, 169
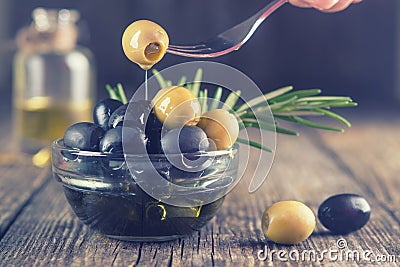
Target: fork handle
269, 9
261, 15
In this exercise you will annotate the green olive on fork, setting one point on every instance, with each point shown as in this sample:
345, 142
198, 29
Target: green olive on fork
145, 43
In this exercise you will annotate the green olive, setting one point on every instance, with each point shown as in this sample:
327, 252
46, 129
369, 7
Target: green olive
221, 127
288, 222
145, 43
176, 106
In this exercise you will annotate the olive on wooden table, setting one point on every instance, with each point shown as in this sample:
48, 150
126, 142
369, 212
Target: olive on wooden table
344, 213
288, 222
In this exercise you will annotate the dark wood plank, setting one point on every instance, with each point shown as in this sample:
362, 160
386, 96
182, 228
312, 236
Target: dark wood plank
17, 187
19, 179
371, 153
306, 169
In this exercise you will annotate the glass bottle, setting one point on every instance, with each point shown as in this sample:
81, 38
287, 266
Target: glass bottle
54, 79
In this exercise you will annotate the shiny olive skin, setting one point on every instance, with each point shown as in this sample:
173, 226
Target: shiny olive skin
186, 139
153, 131
117, 117
134, 114
145, 43
221, 127
103, 110
83, 136
344, 213
135, 141
176, 106
288, 222
137, 114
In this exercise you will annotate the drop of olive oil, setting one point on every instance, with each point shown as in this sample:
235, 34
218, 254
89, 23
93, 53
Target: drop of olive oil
39, 121
146, 88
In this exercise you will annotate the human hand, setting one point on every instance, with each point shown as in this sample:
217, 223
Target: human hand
324, 5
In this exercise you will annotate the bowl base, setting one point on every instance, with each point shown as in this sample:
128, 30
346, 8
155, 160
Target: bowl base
146, 239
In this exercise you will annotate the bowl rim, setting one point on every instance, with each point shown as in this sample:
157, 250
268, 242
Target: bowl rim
59, 145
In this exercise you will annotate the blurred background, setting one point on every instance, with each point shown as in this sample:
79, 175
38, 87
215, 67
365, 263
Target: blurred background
354, 52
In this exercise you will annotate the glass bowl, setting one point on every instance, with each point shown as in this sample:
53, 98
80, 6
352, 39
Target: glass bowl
105, 196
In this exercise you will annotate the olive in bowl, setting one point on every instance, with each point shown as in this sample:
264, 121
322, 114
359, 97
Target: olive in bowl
112, 202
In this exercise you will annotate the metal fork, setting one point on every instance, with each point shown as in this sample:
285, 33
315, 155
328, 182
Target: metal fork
229, 40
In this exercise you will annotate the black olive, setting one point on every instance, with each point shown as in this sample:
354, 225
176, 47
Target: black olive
83, 136
131, 115
137, 114
134, 139
117, 117
153, 133
103, 110
344, 213
186, 139
112, 141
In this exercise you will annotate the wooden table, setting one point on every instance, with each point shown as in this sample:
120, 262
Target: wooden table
38, 228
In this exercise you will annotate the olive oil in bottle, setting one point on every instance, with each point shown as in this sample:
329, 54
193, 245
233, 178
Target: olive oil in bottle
53, 79
38, 121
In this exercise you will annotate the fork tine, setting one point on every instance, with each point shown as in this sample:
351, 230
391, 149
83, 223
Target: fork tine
194, 50
190, 54
179, 47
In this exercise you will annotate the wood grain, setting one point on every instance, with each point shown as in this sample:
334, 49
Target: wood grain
308, 168
19, 180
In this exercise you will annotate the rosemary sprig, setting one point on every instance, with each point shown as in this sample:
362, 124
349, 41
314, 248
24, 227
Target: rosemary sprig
285, 104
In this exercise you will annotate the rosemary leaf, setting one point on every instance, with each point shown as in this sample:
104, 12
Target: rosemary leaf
263, 99
349, 104
251, 103
204, 104
278, 92
196, 82
269, 127
159, 78
326, 98
201, 98
335, 116
257, 116
256, 122
111, 92
299, 113
216, 99
309, 123
254, 144
327, 105
182, 81
299, 94
279, 105
121, 93
231, 100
